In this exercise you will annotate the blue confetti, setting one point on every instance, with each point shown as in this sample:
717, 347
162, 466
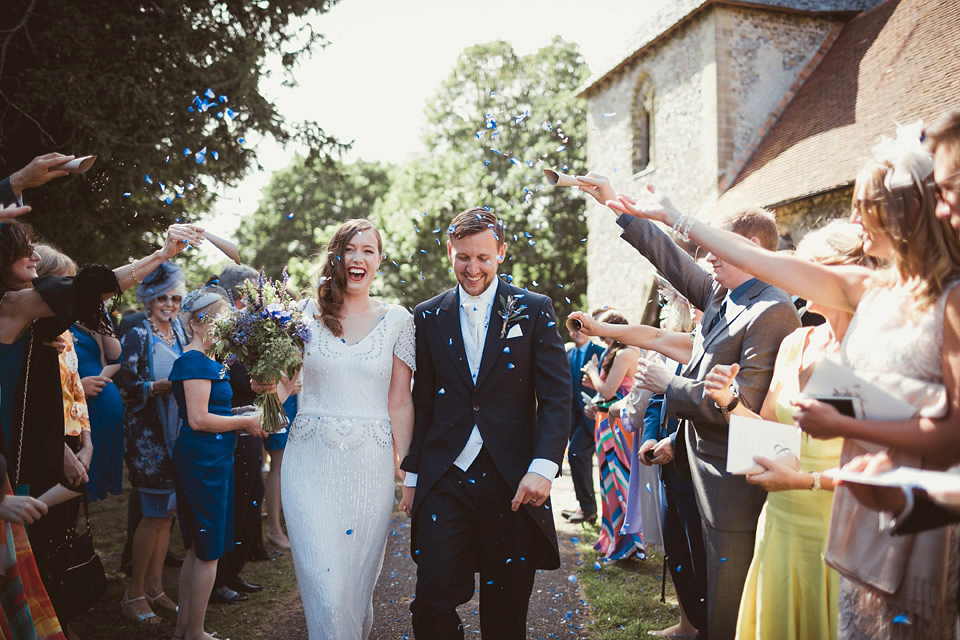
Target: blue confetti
241, 140
440, 393
289, 216
551, 324
901, 619
433, 517
210, 94
572, 578
506, 349
597, 566
126, 195
723, 559
510, 365
148, 179
349, 532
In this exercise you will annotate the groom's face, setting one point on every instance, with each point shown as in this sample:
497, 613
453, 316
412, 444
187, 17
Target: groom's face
475, 260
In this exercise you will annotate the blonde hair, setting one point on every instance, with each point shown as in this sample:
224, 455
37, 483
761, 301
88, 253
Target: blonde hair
898, 201
838, 242
54, 262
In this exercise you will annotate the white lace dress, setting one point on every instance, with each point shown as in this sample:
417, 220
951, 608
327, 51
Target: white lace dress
892, 344
337, 474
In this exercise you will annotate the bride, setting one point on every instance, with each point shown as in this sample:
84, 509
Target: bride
353, 428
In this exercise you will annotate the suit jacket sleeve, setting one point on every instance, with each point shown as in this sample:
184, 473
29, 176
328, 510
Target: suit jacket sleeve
424, 381
6, 193
761, 343
674, 263
553, 386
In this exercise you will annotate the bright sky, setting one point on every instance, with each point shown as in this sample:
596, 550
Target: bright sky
386, 58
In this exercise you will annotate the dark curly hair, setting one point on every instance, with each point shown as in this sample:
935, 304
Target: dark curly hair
16, 242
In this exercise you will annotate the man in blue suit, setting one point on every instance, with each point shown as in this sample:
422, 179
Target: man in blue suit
581, 446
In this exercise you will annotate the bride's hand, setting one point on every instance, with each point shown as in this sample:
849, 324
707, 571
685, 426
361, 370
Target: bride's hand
406, 500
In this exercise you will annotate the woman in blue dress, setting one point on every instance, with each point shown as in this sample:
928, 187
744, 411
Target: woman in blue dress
203, 460
105, 405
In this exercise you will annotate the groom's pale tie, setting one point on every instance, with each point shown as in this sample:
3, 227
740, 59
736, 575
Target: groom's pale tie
475, 312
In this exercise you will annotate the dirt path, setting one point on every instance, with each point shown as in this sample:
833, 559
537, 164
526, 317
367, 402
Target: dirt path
556, 607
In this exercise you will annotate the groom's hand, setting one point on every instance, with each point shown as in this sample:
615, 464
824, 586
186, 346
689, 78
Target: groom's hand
406, 499
534, 489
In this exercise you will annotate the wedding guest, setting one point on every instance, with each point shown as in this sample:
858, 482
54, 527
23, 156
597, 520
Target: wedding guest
744, 321
105, 406
26, 612
37, 172
248, 489
30, 370
580, 450
909, 309
681, 528
944, 141
612, 380
151, 425
203, 460
790, 592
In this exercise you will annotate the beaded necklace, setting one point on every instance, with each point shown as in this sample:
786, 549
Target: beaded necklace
167, 341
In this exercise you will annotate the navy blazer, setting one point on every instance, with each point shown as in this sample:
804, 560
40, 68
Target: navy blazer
577, 418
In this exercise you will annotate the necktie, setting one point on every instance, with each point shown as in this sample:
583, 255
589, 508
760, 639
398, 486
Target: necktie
716, 318
476, 310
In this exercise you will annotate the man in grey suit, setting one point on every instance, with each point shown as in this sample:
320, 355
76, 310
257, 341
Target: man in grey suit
744, 321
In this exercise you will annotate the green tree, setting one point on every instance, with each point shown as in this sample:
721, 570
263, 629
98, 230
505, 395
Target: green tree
165, 92
495, 123
301, 206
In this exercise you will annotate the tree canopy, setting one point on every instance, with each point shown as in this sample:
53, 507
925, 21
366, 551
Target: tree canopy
495, 123
164, 92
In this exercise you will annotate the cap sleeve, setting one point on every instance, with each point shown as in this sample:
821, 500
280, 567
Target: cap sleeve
405, 347
193, 365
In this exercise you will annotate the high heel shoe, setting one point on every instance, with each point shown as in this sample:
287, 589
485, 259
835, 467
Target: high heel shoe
163, 601
278, 542
129, 613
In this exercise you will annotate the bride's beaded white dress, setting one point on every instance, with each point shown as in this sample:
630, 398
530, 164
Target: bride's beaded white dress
337, 476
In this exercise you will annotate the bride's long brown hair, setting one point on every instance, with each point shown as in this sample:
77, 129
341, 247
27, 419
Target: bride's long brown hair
333, 277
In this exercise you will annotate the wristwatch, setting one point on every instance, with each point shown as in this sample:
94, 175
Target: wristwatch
733, 403
816, 482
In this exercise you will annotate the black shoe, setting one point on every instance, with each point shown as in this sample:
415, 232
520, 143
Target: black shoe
262, 555
242, 586
173, 561
580, 516
226, 595
569, 513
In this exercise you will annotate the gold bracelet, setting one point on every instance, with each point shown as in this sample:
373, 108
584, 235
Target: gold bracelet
133, 272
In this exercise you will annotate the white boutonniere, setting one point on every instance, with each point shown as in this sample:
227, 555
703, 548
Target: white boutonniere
512, 312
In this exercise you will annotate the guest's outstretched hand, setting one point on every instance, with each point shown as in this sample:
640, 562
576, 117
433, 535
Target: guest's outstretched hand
653, 375
597, 186
180, 236
41, 170
8, 213
21, 509
717, 383
819, 419
588, 326
651, 205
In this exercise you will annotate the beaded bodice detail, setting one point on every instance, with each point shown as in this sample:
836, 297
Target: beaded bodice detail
345, 386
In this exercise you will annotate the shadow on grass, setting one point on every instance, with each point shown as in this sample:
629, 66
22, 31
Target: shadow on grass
264, 616
624, 596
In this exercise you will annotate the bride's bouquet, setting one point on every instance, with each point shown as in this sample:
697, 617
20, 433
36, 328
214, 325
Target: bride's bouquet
267, 335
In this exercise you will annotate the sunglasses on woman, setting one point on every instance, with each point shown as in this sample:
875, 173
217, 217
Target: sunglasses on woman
162, 298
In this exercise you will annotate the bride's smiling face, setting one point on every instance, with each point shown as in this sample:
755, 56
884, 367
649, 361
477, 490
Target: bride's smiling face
361, 259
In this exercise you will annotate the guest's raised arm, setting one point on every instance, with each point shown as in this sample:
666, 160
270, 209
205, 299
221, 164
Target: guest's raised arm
836, 287
39, 171
676, 345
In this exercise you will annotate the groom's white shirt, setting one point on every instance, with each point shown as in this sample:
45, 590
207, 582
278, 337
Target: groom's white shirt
473, 342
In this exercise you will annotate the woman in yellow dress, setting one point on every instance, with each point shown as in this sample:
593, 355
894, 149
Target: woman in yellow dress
790, 594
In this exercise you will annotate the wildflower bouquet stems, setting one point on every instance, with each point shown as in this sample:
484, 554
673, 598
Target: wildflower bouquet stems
268, 335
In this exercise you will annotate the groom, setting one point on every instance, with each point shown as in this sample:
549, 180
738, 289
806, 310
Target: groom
492, 402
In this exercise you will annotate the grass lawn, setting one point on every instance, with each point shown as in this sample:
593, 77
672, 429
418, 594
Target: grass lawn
624, 596
257, 619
